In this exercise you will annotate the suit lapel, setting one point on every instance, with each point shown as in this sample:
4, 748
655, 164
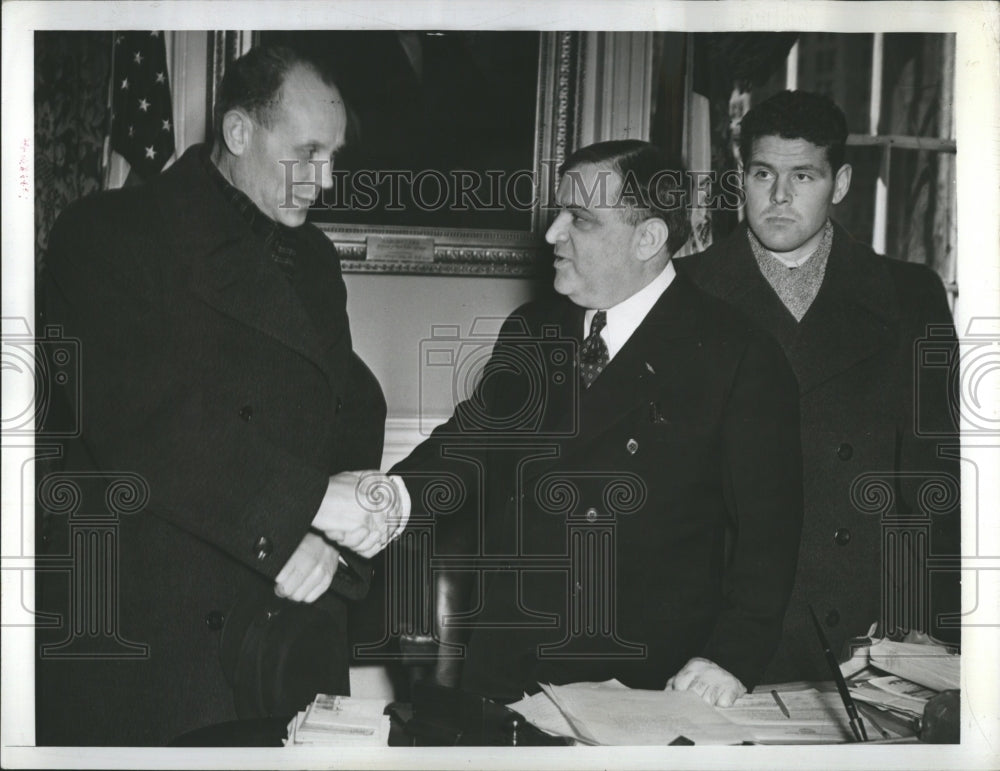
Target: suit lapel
634, 377
230, 268
562, 417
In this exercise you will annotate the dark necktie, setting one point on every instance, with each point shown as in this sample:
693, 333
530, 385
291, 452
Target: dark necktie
594, 352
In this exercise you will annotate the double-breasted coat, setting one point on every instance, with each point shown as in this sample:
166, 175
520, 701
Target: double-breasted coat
872, 356
225, 394
619, 530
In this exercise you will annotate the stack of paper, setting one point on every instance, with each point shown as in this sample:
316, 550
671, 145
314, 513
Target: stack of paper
916, 672
611, 714
929, 665
341, 721
895, 693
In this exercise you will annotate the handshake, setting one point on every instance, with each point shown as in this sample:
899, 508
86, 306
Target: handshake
363, 511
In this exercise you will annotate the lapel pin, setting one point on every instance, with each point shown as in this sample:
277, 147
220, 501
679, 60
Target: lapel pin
632, 446
650, 368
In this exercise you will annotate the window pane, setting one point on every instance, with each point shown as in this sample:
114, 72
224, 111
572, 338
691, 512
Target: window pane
914, 86
839, 65
857, 211
918, 220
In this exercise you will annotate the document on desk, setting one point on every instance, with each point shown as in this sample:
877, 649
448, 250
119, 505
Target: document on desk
611, 714
813, 717
542, 712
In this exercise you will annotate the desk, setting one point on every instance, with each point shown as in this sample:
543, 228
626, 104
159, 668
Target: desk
271, 732
449, 717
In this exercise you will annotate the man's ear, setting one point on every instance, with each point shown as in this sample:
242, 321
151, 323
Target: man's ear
651, 238
237, 130
841, 183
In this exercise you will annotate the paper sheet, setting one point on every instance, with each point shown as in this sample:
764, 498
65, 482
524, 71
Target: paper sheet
542, 712
610, 714
814, 716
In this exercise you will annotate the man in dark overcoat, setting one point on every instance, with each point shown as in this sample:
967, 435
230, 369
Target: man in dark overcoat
881, 523
218, 399
628, 463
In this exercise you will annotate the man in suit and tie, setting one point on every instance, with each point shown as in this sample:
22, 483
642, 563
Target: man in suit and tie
628, 464
219, 381
881, 497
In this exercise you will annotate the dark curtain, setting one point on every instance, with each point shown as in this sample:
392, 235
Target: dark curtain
71, 121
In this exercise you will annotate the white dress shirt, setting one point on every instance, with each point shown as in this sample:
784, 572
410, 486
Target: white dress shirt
625, 317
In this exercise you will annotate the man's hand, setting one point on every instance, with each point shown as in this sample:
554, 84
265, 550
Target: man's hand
309, 571
710, 681
361, 510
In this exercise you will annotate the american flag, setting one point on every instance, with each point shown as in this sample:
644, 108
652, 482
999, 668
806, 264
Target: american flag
142, 129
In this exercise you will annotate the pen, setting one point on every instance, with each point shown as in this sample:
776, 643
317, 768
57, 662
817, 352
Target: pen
845, 696
867, 712
780, 703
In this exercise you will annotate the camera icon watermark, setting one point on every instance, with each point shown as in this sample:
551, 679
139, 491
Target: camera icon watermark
967, 369
37, 372
523, 385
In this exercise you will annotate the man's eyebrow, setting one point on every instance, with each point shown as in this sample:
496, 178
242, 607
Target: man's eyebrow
800, 167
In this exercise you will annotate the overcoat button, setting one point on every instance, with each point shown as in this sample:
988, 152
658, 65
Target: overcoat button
591, 515
215, 619
246, 413
338, 406
262, 547
631, 445
833, 617
845, 451
842, 537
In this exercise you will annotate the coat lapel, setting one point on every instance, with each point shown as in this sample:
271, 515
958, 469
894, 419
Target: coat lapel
241, 281
740, 282
853, 318
230, 268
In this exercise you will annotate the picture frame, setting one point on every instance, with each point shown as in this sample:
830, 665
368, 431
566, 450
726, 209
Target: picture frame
385, 247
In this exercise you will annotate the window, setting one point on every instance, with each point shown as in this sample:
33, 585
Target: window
897, 92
